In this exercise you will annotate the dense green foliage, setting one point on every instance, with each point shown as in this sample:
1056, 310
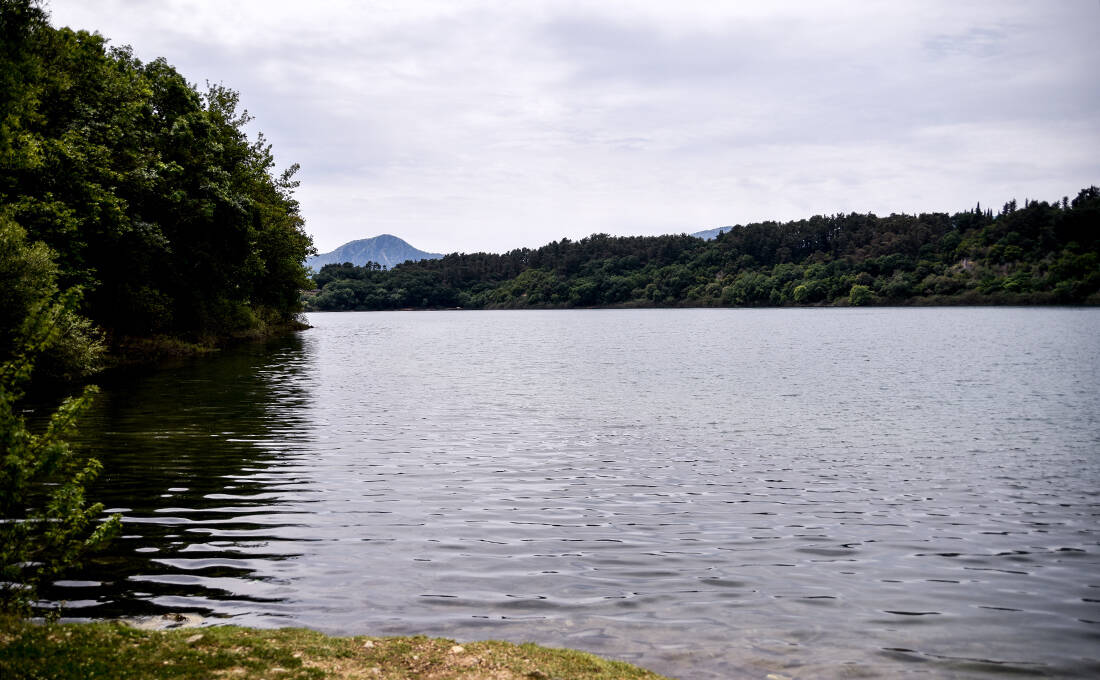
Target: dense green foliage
1039, 254
151, 195
45, 523
28, 283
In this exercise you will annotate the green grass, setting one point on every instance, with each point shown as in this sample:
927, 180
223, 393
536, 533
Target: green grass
114, 650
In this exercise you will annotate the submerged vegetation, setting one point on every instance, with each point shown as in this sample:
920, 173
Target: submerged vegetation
61, 652
1041, 253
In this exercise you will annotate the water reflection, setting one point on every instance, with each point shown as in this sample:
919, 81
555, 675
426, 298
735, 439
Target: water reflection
199, 459
815, 493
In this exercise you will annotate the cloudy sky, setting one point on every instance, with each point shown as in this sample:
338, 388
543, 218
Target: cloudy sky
468, 125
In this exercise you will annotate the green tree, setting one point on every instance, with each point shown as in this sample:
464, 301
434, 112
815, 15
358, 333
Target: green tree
151, 194
860, 295
28, 276
46, 525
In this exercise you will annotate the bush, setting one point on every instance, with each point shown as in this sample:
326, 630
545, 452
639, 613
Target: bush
45, 523
28, 276
859, 295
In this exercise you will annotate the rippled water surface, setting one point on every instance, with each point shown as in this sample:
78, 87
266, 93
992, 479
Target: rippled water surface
710, 493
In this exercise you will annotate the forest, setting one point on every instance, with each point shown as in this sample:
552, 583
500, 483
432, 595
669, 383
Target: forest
139, 196
1040, 253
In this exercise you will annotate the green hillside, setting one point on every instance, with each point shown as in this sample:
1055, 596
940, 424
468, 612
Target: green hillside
1040, 253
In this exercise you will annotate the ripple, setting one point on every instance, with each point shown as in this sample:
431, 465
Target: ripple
712, 493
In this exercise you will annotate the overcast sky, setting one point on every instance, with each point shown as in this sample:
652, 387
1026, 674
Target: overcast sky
467, 126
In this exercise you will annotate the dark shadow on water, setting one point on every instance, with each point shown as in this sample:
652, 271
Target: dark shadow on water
194, 459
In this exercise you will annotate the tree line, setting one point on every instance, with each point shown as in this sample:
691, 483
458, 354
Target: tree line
1040, 253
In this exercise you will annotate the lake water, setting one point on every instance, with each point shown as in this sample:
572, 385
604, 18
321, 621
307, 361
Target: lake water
710, 493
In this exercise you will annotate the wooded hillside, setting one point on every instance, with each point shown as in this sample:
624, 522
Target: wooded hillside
150, 196
1041, 253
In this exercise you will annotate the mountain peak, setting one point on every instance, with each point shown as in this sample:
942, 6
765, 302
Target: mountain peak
385, 249
708, 234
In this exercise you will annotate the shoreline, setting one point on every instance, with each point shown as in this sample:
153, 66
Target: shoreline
63, 651
1089, 304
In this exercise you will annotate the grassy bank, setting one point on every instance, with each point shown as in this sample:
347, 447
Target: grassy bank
113, 650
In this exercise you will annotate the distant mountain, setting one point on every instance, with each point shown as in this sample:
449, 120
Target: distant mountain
708, 234
386, 250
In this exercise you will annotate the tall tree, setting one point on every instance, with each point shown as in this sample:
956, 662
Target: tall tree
151, 193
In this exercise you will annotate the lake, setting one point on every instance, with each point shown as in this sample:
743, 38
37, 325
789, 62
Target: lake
709, 493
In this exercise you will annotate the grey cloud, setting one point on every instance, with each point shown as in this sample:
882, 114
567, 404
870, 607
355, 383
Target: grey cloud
601, 50
975, 42
466, 127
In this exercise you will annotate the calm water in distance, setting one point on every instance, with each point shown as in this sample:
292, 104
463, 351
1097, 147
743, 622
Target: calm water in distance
709, 493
